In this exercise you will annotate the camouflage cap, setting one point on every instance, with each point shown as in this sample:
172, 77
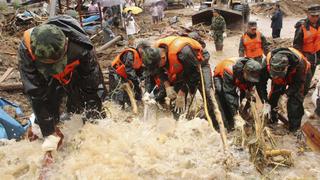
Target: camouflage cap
314, 9
48, 43
252, 68
143, 44
252, 24
151, 58
72, 13
278, 65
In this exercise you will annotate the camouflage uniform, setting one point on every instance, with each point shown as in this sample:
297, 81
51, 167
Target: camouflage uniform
218, 26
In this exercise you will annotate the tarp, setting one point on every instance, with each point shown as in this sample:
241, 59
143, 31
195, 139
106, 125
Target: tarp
9, 127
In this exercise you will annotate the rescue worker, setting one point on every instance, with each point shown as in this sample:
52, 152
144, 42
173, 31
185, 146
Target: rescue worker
57, 59
229, 76
154, 85
127, 67
253, 43
307, 39
287, 68
175, 63
218, 27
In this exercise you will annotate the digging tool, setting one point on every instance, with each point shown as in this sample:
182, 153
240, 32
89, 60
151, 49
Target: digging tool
126, 87
216, 111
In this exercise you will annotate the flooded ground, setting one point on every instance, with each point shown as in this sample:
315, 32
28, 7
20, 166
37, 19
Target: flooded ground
159, 148
156, 148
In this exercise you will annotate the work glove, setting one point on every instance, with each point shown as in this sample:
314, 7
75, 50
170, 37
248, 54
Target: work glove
224, 34
50, 143
171, 93
267, 110
180, 104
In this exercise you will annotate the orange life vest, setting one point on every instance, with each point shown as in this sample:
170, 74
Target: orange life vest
174, 45
120, 67
63, 77
311, 39
288, 79
253, 47
226, 66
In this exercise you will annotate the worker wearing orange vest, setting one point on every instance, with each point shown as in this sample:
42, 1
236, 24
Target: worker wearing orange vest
153, 84
127, 67
307, 38
287, 68
253, 44
229, 76
176, 66
57, 59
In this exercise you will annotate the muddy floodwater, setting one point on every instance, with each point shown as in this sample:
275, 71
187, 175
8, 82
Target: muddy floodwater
123, 146
155, 148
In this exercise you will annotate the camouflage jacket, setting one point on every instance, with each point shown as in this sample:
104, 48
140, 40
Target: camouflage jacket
218, 24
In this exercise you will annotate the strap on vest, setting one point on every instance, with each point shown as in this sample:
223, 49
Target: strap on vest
68, 71
27, 42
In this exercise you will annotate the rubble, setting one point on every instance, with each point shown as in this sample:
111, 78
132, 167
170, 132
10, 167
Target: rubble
288, 7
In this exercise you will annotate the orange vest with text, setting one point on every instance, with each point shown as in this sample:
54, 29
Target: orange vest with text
311, 39
174, 45
253, 47
120, 67
63, 77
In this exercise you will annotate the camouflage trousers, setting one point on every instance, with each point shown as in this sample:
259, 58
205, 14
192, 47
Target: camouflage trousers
218, 40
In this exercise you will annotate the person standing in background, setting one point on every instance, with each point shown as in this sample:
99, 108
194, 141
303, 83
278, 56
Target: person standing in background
130, 28
307, 38
160, 12
276, 22
253, 44
218, 26
154, 13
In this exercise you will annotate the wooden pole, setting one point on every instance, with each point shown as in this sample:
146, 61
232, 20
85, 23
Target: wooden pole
110, 43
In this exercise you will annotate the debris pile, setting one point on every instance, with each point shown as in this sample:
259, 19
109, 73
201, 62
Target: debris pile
279, 42
288, 7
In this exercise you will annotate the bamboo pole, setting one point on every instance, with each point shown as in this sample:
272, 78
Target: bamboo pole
216, 112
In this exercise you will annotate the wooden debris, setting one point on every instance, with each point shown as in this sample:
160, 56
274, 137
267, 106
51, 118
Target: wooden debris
312, 135
110, 43
126, 87
262, 147
11, 87
6, 74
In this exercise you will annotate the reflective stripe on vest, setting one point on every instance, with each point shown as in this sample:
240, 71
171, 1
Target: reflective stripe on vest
175, 44
63, 77
226, 66
311, 39
253, 47
288, 79
120, 67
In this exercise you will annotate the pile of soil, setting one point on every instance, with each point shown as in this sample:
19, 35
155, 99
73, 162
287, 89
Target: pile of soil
279, 42
288, 7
